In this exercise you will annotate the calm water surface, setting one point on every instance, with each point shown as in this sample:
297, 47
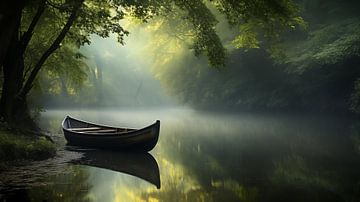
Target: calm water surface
199, 157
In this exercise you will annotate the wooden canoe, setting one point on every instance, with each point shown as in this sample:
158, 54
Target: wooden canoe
86, 134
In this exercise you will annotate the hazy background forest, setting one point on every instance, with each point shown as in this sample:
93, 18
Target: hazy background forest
313, 67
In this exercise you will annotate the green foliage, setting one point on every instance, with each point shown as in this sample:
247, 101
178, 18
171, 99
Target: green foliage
247, 39
100, 18
64, 71
206, 40
313, 69
328, 44
16, 147
260, 19
250, 82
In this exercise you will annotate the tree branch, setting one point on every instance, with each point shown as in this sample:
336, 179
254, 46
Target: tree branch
59, 7
26, 37
55, 45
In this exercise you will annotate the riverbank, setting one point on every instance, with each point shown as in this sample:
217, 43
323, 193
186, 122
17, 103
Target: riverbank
17, 146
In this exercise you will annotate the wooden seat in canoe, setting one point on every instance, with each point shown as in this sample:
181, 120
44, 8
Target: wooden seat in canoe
99, 131
85, 129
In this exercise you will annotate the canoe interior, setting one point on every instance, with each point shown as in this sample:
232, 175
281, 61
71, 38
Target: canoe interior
79, 126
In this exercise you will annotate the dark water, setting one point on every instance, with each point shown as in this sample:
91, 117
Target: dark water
200, 157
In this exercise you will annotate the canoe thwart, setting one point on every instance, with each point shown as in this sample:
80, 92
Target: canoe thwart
100, 131
85, 129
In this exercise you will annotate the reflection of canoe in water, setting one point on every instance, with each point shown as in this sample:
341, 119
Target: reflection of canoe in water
87, 134
138, 164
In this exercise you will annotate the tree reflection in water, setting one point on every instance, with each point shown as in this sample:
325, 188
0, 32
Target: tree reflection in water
296, 160
69, 187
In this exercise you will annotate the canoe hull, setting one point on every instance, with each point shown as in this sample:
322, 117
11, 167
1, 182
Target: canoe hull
143, 139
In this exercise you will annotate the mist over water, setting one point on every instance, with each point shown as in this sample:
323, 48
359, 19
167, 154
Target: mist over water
220, 156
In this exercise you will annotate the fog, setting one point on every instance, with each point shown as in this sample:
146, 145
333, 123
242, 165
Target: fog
127, 80
211, 153
149, 70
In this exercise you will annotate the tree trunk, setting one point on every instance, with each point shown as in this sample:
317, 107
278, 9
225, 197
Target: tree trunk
13, 108
10, 11
64, 92
99, 85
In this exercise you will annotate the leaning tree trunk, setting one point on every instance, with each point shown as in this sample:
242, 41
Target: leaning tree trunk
12, 107
9, 14
13, 67
99, 81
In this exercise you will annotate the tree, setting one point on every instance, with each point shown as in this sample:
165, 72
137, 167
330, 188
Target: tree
78, 19
17, 84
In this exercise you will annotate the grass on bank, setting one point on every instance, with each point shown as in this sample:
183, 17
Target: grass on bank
15, 146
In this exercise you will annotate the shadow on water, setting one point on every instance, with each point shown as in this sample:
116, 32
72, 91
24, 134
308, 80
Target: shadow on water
139, 164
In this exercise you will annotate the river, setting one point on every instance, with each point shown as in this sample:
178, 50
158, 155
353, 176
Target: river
200, 156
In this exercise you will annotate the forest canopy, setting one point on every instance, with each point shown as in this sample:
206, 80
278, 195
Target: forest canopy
39, 31
312, 68
275, 59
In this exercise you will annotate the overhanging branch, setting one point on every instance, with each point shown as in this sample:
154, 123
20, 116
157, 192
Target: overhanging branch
55, 45
26, 37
